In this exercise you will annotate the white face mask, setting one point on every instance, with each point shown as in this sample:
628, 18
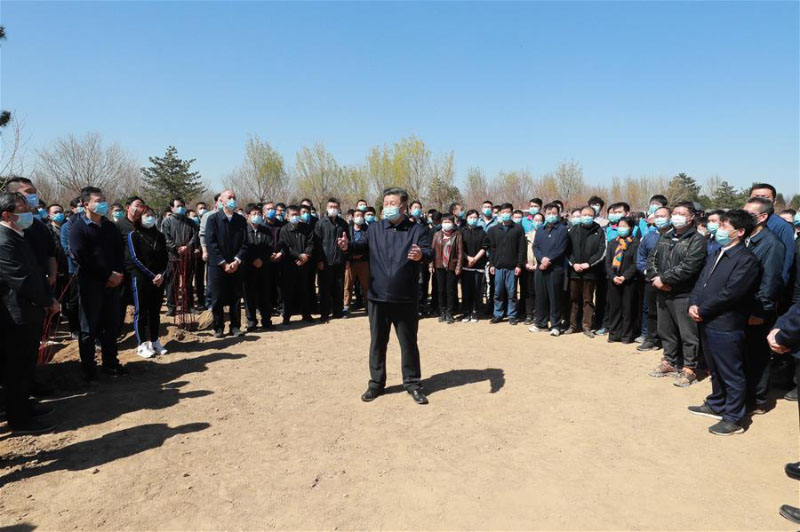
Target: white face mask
447, 227
333, 213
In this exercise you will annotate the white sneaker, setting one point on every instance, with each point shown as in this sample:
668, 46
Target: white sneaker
465, 319
534, 328
145, 351
555, 332
158, 348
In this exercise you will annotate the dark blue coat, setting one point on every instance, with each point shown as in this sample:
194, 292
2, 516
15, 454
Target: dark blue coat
770, 253
226, 240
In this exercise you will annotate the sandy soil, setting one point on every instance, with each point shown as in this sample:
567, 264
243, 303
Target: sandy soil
524, 431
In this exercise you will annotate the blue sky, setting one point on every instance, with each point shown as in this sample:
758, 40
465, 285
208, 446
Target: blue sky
628, 88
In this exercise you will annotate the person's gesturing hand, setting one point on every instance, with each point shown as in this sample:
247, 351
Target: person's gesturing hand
415, 253
114, 280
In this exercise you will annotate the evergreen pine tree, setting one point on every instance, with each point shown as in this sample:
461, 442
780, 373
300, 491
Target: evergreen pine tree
169, 177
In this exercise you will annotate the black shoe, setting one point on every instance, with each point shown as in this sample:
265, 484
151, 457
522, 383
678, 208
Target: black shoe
37, 389
613, 340
115, 371
528, 321
40, 410
285, 321
495, 319
308, 319
648, 345
268, 326
706, 411
791, 513
588, 333
371, 394
32, 426
170, 313
793, 470
512, 321
236, 332
725, 428
323, 319
791, 395
219, 334
441, 318
418, 396
449, 320
251, 327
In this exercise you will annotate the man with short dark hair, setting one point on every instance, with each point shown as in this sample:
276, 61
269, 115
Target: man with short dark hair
182, 240
257, 270
296, 242
507, 253
779, 227
330, 233
550, 246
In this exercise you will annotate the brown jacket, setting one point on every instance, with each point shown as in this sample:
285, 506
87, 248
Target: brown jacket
456, 252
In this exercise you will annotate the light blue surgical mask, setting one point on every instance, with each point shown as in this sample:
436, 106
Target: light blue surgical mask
101, 208
59, 217
179, 210
369, 218
294, 219
505, 217
587, 220
623, 231
42, 214
79, 210
118, 215
24, 220
723, 237
416, 213
551, 218
201, 212
487, 212
305, 217
472, 222
577, 220
256, 219
653, 208
271, 213
537, 225
678, 220
391, 213
231, 203
533, 210
661, 222
32, 199
148, 221
462, 214
614, 217
362, 208
517, 220
797, 219
712, 227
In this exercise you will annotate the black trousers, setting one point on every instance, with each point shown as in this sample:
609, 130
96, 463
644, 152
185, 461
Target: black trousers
331, 290
424, 280
758, 362
99, 312
295, 290
226, 291
276, 298
180, 273
200, 280
20, 346
472, 290
257, 293
622, 310
125, 296
71, 305
600, 302
405, 318
651, 295
724, 354
147, 299
549, 296
447, 284
678, 332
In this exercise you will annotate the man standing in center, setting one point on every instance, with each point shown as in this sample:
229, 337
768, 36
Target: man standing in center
331, 262
396, 246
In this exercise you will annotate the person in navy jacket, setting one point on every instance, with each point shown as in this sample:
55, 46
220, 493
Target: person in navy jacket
550, 247
226, 242
721, 303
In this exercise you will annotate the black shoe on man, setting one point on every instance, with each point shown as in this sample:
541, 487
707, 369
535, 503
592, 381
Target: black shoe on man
418, 396
371, 394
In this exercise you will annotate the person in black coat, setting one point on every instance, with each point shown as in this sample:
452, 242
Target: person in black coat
25, 296
257, 270
296, 242
720, 304
476, 245
550, 247
226, 241
587, 251
329, 232
622, 286
147, 249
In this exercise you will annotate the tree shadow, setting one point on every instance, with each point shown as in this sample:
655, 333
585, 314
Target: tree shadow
459, 377
93, 453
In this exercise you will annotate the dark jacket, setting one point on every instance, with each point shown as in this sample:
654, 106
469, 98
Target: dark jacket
354, 255
295, 240
456, 251
226, 240
784, 231
678, 259
646, 245
96, 248
629, 270
259, 241
789, 325
326, 232
24, 290
392, 275
587, 245
475, 240
180, 231
507, 246
796, 288
41, 242
552, 241
724, 294
770, 253
147, 250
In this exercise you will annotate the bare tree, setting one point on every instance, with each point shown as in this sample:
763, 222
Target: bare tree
12, 160
569, 180
476, 188
262, 175
318, 173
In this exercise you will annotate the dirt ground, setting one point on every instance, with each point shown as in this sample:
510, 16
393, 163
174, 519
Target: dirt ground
524, 431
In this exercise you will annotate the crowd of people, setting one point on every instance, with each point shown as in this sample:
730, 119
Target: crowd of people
717, 290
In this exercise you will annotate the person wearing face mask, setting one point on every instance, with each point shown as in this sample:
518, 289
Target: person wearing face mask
257, 271
425, 278
777, 225
656, 202
147, 249
357, 262
621, 270
369, 215
361, 205
273, 221
476, 245
597, 203
587, 251
458, 213
25, 298
182, 242
330, 234
712, 224
201, 234
396, 247
96, 245
534, 207
416, 213
616, 211
125, 223
297, 245
70, 298
769, 251
487, 218
652, 342
228, 248
312, 277
529, 273
550, 247
448, 258
719, 304
507, 253
673, 267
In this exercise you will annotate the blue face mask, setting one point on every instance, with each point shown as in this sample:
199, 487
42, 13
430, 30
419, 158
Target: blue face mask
614, 217
391, 213
24, 220
32, 199
533, 210
231, 204
472, 222
462, 215
294, 219
723, 237
537, 225
587, 220
551, 218
797, 219
653, 209
118, 215
487, 212
305, 217
661, 222
279, 217
369, 218
256, 220
101, 208
575, 221
271, 213
712, 227
362, 208
195, 220
179, 210
416, 213
59, 217
505, 217
42, 213
148, 221
79, 210
623, 231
